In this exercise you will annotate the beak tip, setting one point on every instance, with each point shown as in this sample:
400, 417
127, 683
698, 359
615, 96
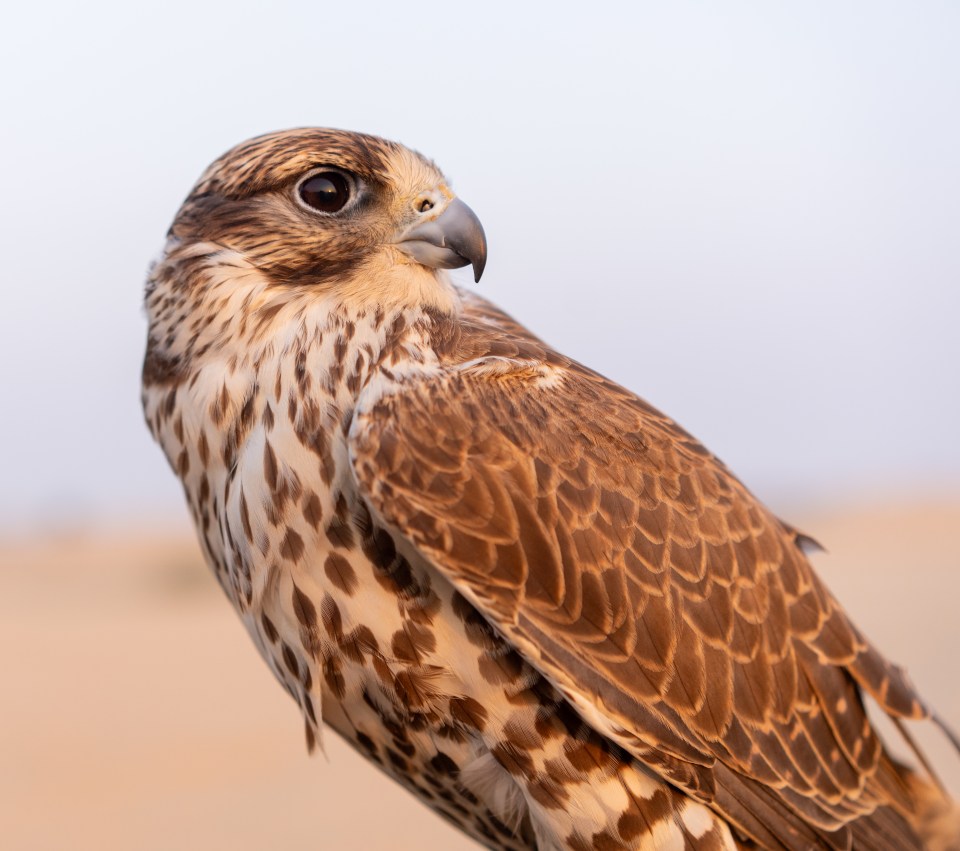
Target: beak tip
478, 257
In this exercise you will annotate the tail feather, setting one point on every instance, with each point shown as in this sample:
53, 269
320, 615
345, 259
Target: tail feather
937, 817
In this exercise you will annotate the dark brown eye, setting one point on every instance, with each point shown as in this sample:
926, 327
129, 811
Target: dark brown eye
326, 191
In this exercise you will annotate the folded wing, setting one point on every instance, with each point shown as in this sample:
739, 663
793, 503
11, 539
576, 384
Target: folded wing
638, 574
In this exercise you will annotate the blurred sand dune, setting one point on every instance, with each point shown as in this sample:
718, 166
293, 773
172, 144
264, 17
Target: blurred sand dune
137, 713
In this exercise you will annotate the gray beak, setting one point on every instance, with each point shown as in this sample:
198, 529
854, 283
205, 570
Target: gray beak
449, 241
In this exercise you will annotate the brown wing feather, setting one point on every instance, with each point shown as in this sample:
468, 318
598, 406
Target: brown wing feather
633, 569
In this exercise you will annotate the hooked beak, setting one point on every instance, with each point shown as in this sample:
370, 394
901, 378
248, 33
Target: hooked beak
453, 239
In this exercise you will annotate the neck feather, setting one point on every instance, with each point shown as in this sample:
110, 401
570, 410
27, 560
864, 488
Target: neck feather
208, 305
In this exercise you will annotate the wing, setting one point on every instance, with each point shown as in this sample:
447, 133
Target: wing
638, 574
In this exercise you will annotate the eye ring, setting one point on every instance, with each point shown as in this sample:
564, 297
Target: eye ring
326, 190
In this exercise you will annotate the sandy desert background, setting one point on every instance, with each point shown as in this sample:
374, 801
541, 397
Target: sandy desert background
137, 713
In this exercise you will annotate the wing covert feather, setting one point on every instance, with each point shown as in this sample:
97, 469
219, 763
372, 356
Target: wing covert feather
636, 572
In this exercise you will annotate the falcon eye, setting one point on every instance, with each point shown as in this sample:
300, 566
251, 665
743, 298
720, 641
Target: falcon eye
326, 191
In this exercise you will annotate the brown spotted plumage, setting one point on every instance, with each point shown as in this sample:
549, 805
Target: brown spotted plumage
524, 593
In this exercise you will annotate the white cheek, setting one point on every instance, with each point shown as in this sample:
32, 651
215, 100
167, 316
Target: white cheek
390, 280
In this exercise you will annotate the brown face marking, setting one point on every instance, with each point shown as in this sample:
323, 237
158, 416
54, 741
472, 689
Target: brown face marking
253, 184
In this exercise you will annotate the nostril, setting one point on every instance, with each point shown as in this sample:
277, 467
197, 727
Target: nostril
424, 204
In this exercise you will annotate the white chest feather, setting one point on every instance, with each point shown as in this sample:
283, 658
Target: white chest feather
360, 630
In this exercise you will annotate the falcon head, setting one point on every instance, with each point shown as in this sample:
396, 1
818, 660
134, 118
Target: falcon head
313, 207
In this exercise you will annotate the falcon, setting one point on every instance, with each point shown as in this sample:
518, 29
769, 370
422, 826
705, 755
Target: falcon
524, 593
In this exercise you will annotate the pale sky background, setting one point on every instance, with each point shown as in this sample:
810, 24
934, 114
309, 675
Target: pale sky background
747, 212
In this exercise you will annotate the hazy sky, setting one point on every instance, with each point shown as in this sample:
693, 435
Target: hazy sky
749, 213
